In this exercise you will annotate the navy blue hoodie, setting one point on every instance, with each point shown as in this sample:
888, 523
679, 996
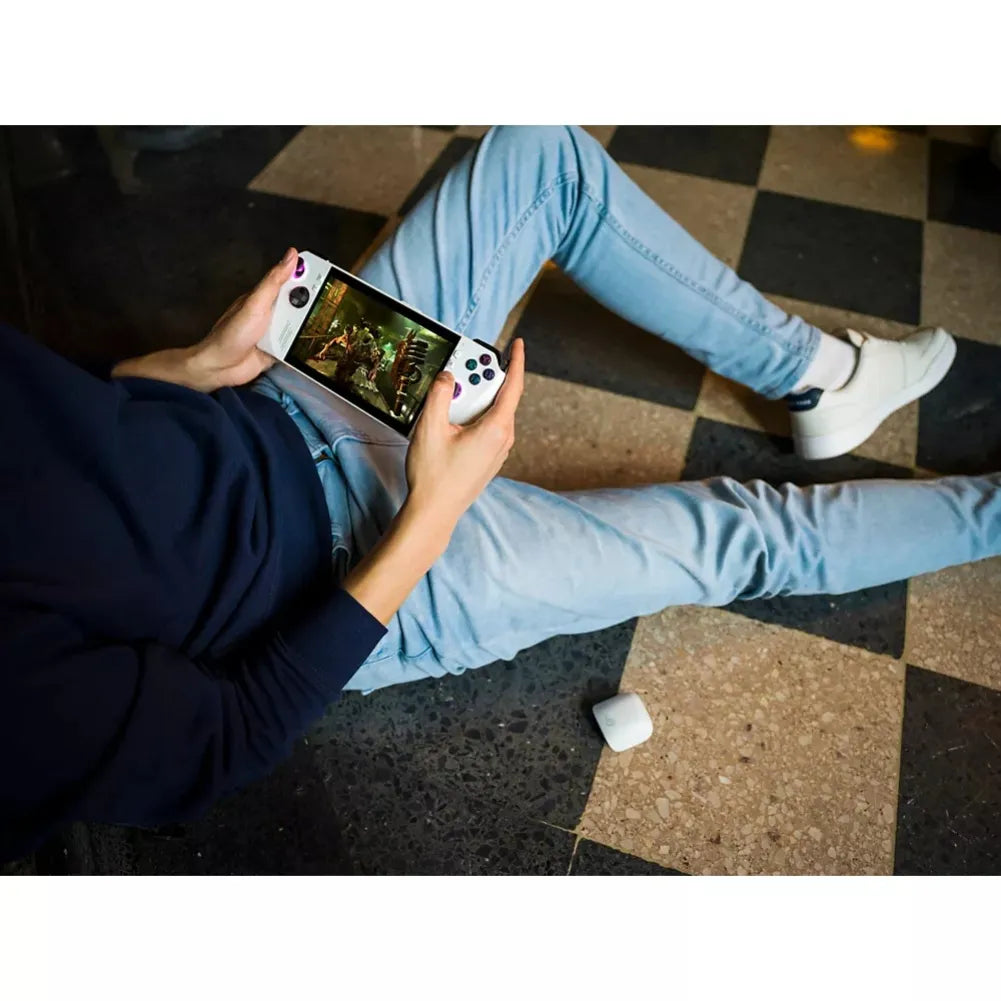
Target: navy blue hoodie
168, 623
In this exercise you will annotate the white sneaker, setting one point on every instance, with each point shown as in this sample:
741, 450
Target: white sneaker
888, 375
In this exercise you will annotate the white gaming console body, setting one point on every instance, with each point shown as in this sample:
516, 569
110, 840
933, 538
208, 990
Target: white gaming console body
476, 366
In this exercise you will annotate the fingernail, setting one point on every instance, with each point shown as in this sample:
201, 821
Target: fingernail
289, 254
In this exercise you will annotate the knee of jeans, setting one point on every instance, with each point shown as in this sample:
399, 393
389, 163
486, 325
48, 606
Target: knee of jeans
529, 141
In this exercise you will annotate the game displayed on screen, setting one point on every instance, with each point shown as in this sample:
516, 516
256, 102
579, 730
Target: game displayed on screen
369, 353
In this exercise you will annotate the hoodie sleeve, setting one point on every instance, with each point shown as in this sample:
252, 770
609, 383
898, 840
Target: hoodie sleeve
139, 734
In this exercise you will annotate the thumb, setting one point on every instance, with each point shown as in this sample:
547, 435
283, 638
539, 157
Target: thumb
439, 400
264, 295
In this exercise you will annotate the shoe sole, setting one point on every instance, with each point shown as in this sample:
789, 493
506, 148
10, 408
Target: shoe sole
829, 446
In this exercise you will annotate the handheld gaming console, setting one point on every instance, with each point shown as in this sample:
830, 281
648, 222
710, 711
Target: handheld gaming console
375, 352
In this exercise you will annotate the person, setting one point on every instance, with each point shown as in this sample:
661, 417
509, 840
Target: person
197, 557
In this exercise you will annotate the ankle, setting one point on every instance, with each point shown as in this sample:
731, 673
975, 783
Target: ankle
832, 366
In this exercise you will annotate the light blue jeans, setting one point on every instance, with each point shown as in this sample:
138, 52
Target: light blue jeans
524, 563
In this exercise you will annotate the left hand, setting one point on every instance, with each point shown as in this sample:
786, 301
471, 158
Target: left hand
228, 355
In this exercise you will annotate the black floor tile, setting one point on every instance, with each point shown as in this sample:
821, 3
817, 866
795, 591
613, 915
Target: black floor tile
125, 274
594, 859
874, 618
949, 801
457, 148
959, 422
724, 152
570, 336
964, 187
835, 255
519, 734
336, 814
19, 867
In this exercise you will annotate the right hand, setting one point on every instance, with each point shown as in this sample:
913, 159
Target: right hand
448, 465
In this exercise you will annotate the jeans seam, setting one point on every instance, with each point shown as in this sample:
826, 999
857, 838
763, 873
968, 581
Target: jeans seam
605, 215
360, 436
544, 195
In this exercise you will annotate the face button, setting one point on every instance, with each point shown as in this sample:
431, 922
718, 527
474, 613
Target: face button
299, 296
488, 374
300, 268
471, 364
485, 359
474, 380
456, 391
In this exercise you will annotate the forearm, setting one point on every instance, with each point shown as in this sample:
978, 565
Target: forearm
181, 366
383, 579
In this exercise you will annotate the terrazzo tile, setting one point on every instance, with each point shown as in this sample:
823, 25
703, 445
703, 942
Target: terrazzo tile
831, 318
594, 859
962, 281
771, 751
864, 167
518, 734
458, 146
723, 152
572, 437
959, 425
601, 132
721, 399
716, 213
340, 814
964, 187
569, 336
950, 778
333, 165
874, 617
19, 867
955, 622
868, 262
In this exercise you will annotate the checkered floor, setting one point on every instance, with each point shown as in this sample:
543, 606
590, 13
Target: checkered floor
857, 734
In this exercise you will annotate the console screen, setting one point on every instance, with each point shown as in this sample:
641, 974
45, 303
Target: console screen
363, 349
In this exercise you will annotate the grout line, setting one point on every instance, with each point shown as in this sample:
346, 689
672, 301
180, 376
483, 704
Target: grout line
573, 854
556, 827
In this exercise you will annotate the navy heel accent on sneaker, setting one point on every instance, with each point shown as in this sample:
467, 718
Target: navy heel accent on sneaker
806, 400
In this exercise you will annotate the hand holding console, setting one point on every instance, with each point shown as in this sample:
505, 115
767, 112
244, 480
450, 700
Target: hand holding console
447, 468
449, 465
375, 352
